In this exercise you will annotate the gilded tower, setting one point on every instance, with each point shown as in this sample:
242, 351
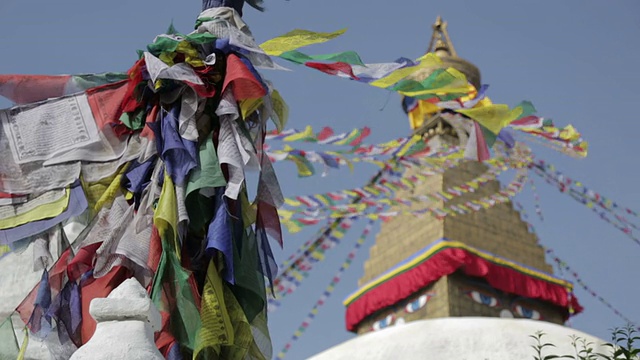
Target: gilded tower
480, 263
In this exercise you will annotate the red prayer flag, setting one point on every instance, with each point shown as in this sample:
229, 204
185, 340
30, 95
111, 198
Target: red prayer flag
325, 133
337, 68
25, 89
106, 102
245, 84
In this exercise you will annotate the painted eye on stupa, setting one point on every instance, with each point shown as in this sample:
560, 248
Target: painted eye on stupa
417, 304
483, 298
381, 324
525, 312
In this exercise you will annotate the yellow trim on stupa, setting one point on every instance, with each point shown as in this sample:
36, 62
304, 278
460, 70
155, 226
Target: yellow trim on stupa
424, 254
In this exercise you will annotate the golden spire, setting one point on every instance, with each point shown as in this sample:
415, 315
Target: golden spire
442, 46
440, 41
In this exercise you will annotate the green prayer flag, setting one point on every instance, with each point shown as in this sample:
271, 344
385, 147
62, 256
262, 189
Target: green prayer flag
135, 122
249, 287
527, 109
489, 136
349, 57
207, 175
173, 280
8, 344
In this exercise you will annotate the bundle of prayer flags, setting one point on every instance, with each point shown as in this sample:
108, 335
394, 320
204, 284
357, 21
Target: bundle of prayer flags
150, 166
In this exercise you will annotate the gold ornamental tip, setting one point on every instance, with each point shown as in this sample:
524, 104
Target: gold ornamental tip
442, 46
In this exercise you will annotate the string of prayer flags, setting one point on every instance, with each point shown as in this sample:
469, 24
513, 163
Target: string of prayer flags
567, 139
599, 204
383, 188
524, 217
154, 175
443, 89
321, 206
291, 276
328, 291
298, 264
536, 198
324, 204
296, 224
325, 136
334, 159
563, 265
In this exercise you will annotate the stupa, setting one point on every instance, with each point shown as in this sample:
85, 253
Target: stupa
471, 286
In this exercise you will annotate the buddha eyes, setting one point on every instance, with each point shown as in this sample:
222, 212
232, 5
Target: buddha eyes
527, 313
483, 298
488, 299
381, 324
417, 304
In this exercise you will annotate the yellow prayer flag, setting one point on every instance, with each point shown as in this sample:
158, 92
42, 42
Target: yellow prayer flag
426, 61
291, 226
307, 133
396, 76
191, 55
373, 216
25, 344
285, 214
296, 39
569, 133
292, 202
493, 117
250, 210
430, 58
438, 91
107, 191
217, 328
249, 106
303, 168
165, 218
58, 200
281, 109
403, 150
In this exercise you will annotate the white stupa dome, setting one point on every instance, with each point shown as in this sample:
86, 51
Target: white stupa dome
461, 338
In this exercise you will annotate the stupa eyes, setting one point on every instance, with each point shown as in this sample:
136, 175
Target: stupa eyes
381, 324
411, 307
417, 304
483, 298
527, 313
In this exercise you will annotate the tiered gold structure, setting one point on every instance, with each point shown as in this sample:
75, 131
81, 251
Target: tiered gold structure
498, 230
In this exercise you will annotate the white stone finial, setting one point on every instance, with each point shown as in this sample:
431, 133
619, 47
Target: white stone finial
126, 321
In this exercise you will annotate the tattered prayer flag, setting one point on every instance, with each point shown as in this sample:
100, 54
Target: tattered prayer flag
296, 39
337, 68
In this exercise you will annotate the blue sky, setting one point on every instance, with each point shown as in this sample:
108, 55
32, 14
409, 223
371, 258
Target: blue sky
577, 61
